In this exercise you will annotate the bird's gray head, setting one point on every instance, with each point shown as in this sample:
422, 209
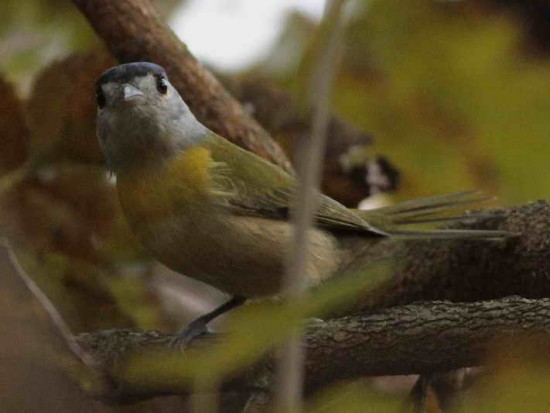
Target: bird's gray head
141, 118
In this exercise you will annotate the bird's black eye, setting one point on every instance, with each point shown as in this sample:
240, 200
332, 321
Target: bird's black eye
100, 97
162, 85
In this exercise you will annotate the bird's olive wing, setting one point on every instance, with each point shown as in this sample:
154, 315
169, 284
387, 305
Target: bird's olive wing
252, 186
276, 204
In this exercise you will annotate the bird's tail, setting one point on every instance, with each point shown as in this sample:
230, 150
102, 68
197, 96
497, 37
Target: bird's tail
403, 220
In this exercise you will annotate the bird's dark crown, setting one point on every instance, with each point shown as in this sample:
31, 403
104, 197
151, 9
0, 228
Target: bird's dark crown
128, 71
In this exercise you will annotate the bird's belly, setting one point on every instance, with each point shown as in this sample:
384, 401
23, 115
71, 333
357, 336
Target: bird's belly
239, 255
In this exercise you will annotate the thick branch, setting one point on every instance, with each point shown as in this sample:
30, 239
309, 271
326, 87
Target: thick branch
471, 270
417, 338
133, 31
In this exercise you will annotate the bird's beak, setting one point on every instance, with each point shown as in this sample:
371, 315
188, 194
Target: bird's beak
131, 93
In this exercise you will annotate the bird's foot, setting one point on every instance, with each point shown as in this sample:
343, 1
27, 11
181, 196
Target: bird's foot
196, 328
199, 326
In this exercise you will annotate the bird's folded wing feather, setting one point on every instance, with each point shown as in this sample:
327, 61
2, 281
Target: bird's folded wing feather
248, 185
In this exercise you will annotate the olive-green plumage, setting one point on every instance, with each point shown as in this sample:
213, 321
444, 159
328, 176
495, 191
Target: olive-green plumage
213, 211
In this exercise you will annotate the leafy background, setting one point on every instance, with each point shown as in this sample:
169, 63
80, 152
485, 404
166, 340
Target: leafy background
455, 93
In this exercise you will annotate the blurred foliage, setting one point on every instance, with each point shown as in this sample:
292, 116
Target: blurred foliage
454, 101
62, 107
78, 291
516, 379
447, 89
14, 130
448, 93
35, 32
534, 16
356, 397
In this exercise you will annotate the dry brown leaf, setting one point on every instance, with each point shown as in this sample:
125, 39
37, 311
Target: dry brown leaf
61, 109
13, 132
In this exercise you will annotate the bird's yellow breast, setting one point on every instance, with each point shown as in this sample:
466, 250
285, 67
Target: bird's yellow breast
159, 192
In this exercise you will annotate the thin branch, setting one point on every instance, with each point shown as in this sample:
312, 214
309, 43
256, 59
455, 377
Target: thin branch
295, 282
57, 320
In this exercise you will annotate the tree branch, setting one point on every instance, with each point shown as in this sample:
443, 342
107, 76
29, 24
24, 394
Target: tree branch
417, 338
470, 270
133, 31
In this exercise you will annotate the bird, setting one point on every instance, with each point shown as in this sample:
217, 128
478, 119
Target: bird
210, 210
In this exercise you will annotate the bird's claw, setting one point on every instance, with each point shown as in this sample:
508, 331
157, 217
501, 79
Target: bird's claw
196, 328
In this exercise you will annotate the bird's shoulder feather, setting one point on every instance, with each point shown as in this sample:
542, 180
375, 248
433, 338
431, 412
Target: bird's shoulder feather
252, 186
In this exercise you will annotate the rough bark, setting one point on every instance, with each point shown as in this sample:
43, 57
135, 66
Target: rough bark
397, 340
471, 270
133, 31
